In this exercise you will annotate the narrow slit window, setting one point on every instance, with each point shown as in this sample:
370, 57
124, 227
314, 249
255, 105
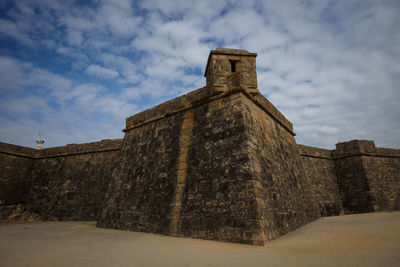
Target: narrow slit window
233, 66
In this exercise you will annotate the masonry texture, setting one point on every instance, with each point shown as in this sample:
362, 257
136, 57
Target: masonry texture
219, 163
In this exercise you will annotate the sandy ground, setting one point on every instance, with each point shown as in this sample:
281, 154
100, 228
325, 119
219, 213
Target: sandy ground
355, 240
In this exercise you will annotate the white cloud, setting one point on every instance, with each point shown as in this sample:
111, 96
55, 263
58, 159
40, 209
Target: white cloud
118, 18
8, 27
101, 72
74, 37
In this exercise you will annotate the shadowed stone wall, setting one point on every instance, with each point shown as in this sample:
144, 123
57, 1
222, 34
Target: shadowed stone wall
320, 167
281, 184
383, 175
60, 183
368, 177
218, 202
356, 177
142, 187
69, 183
15, 171
16, 164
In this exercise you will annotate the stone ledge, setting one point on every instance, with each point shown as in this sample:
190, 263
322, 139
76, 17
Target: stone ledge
68, 150
351, 150
16, 150
388, 152
362, 148
368, 155
309, 151
198, 97
167, 108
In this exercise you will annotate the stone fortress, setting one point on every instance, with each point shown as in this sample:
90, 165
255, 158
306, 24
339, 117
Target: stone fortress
218, 163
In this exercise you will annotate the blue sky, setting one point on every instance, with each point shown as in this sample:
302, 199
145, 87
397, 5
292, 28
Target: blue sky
74, 70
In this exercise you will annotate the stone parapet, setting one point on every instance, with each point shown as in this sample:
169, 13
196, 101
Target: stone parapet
271, 110
70, 149
18, 150
362, 148
354, 147
168, 108
309, 151
199, 97
74, 149
387, 152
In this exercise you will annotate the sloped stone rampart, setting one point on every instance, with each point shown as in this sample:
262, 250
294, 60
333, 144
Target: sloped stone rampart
142, 186
218, 202
281, 184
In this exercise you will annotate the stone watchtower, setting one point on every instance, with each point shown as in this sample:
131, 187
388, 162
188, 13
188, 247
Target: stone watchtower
231, 69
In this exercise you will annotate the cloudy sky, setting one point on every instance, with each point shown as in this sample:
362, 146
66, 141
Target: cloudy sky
74, 70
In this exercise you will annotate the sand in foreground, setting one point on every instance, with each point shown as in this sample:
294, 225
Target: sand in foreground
371, 239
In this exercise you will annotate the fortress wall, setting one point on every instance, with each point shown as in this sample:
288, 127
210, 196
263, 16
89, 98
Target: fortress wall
220, 163
320, 167
142, 187
351, 173
186, 175
368, 177
282, 186
218, 200
383, 176
16, 165
191, 173
69, 182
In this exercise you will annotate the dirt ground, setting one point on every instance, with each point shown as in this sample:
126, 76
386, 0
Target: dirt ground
355, 240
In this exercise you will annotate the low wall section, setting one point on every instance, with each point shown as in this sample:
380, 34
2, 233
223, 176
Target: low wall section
368, 177
320, 167
59, 183
15, 171
356, 177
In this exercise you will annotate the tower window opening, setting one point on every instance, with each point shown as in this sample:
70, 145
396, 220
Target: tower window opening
233, 65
